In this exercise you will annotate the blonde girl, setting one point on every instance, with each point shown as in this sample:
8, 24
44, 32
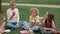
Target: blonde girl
35, 21
34, 18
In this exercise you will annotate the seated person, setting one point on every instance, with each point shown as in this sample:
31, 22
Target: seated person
49, 23
2, 25
35, 20
13, 16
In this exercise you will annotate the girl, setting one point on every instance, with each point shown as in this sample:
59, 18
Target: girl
35, 20
2, 25
49, 23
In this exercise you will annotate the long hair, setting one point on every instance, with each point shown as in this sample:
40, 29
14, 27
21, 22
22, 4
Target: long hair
49, 19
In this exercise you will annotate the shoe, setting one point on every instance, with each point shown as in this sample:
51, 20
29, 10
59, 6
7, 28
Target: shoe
8, 30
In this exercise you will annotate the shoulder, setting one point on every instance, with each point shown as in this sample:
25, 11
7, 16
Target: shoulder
8, 10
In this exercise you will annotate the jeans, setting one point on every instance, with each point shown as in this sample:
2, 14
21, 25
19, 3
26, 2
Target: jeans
48, 32
41, 29
27, 26
13, 24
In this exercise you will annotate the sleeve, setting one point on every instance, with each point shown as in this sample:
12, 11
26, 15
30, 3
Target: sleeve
17, 15
8, 14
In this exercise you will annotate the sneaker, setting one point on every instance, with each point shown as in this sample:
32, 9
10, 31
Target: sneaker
8, 30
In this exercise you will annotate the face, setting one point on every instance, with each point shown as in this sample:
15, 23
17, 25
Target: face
34, 13
46, 15
13, 5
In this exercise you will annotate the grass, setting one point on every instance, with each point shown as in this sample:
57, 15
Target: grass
36, 1
24, 15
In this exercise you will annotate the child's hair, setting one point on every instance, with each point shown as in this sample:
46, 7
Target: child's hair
49, 19
35, 9
13, 1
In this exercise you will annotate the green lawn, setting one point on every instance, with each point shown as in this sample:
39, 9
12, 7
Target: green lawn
24, 11
24, 15
36, 1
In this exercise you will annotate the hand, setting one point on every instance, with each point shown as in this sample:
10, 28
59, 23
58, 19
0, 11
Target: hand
13, 13
17, 25
10, 18
31, 26
47, 28
53, 30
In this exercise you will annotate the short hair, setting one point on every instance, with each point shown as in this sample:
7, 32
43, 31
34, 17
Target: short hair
12, 2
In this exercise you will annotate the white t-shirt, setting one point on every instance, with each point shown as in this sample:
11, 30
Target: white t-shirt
15, 18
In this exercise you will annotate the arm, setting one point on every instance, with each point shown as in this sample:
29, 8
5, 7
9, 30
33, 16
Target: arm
31, 21
2, 25
41, 18
17, 17
44, 24
53, 25
13, 14
9, 15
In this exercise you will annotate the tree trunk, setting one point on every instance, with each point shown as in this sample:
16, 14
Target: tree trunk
0, 6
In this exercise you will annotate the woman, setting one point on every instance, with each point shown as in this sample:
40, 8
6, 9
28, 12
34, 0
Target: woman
49, 23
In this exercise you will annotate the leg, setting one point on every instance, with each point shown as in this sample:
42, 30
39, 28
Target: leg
35, 28
26, 25
41, 29
11, 25
48, 32
21, 23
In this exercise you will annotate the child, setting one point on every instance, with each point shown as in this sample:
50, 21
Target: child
2, 25
49, 23
35, 20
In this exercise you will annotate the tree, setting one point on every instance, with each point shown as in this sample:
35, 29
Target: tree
0, 6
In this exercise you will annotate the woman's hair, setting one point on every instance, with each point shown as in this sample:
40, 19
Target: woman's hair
34, 9
49, 19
